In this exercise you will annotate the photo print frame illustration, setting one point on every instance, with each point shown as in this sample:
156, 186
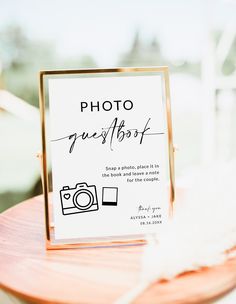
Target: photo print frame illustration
107, 155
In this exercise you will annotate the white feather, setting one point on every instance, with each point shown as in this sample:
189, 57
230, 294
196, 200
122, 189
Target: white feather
200, 234
202, 230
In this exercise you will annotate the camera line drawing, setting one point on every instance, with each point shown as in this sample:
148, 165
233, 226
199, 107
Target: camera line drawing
83, 198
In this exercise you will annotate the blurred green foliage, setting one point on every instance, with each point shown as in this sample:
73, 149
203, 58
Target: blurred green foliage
150, 54
22, 59
229, 64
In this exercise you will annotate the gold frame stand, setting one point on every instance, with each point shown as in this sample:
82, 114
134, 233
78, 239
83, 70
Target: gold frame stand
43, 156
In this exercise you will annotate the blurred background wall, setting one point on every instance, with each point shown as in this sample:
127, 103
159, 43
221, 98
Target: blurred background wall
196, 39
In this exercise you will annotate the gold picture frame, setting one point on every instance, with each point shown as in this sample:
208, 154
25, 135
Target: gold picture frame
43, 75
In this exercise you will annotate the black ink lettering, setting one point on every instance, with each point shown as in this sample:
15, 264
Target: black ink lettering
109, 104
117, 104
115, 130
128, 107
95, 106
83, 105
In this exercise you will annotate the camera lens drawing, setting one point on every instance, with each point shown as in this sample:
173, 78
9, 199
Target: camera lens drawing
81, 198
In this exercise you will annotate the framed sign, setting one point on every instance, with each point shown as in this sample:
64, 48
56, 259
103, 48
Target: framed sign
107, 141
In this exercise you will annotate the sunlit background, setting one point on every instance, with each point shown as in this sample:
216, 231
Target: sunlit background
196, 39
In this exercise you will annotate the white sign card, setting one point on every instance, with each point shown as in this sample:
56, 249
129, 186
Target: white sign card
110, 154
